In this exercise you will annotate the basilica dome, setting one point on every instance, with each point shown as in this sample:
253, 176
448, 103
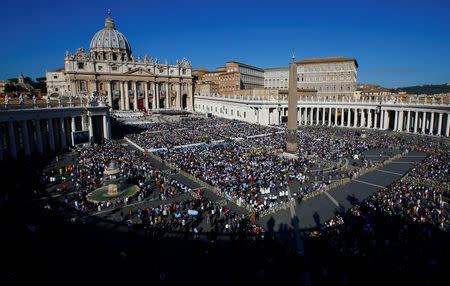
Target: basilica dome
109, 38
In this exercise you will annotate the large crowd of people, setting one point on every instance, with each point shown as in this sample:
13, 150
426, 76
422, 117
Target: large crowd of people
86, 175
395, 227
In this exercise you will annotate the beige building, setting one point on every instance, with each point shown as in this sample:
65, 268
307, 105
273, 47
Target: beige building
330, 76
110, 70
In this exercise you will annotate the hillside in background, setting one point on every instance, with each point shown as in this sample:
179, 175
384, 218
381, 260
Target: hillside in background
424, 89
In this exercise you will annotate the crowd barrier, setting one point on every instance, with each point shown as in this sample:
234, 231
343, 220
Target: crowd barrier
134, 144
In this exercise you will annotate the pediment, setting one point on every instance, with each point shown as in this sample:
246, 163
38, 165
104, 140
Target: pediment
139, 71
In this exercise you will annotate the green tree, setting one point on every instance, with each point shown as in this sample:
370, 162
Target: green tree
10, 87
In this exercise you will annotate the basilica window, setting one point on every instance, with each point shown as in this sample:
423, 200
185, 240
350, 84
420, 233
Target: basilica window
80, 66
114, 68
55, 76
83, 86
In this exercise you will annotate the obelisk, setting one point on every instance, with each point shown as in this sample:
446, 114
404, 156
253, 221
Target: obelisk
291, 132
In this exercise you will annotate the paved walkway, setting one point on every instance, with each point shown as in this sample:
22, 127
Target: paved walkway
313, 212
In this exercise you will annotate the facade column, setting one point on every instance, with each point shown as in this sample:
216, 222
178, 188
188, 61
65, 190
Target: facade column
121, 97
382, 119
83, 122
74, 128
37, 125
127, 96
51, 135
158, 94
25, 138
369, 118
355, 118
91, 130
424, 118
400, 120
311, 116
110, 94
106, 128
153, 88
178, 100
167, 105
146, 95
416, 121
440, 124
431, 131
135, 95
191, 96
63, 133
13, 141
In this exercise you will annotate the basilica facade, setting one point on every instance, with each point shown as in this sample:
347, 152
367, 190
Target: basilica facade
110, 70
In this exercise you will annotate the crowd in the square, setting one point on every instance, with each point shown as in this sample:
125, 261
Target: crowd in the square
194, 216
86, 175
396, 226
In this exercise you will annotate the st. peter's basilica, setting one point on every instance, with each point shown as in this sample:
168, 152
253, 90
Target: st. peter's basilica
110, 70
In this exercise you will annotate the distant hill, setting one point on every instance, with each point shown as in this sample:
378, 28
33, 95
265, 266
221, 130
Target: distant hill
424, 89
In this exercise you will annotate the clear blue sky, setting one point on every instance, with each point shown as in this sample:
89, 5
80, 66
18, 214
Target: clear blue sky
396, 43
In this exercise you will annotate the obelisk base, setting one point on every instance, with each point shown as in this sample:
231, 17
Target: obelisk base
291, 141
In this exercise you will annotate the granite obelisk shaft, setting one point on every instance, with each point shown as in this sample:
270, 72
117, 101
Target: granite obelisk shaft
291, 132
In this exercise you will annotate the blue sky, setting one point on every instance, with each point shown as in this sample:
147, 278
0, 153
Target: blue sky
396, 43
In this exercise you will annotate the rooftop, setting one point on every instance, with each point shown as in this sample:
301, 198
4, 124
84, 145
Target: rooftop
326, 60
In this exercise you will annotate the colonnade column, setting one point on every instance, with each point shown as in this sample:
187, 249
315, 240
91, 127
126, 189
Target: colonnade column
424, 116
447, 129
396, 120
342, 117
37, 125
25, 138
363, 118
110, 95
146, 95
323, 115
12, 140
416, 121
369, 118
51, 136
375, 123
299, 116
63, 133
317, 115
408, 121
431, 124
329, 116
311, 116
349, 116
335, 117
441, 115
355, 118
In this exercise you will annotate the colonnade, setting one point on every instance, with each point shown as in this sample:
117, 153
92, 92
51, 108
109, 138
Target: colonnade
154, 94
432, 122
45, 130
